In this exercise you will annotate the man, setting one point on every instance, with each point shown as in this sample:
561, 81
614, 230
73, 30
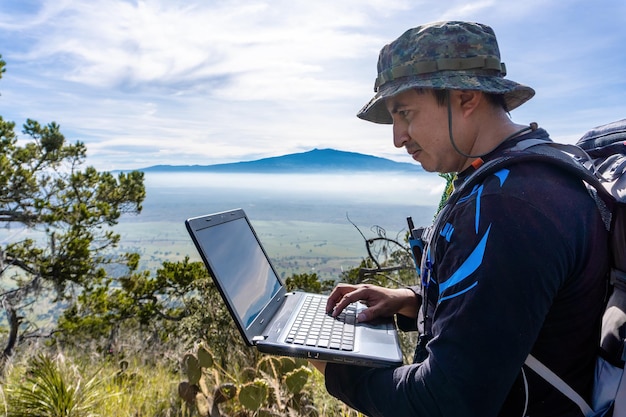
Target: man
518, 266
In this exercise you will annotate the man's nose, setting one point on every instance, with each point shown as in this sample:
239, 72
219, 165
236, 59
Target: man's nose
400, 134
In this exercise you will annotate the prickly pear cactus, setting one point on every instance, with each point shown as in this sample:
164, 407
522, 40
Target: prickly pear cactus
205, 357
224, 393
254, 394
272, 388
194, 371
297, 379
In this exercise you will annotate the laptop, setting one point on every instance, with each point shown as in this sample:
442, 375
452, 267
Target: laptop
273, 319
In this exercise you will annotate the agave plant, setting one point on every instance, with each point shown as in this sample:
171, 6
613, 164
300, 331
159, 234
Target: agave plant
52, 388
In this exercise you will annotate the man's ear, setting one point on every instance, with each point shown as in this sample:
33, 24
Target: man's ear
469, 100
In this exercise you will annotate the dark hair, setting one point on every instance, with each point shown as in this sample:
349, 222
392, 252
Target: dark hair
441, 95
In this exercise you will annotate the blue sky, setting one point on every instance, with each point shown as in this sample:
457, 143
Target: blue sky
201, 82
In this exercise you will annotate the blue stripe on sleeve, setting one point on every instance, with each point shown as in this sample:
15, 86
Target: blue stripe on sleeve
468, 267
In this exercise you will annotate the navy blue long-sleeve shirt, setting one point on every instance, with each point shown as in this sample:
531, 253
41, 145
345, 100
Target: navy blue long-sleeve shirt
519, 267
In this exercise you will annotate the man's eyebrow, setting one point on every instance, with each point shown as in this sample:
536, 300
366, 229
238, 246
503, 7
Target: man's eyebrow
396, 106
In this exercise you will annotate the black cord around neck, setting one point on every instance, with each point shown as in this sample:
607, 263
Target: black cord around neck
533, 126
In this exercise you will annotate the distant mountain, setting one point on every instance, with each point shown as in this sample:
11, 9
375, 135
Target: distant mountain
314, 161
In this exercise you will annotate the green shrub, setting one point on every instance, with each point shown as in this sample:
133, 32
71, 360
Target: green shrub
53, 388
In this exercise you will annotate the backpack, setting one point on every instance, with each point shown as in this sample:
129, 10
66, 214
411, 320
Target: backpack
598, 159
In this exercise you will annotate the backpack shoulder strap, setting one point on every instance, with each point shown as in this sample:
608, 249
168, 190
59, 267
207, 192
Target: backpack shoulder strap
570, 158
554, 380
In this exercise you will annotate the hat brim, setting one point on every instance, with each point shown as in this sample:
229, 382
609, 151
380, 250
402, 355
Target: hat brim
515, 94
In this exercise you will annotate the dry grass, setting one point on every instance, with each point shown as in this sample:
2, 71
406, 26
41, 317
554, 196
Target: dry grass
138, 385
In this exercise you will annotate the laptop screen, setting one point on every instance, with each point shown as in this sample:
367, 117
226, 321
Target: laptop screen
240, 265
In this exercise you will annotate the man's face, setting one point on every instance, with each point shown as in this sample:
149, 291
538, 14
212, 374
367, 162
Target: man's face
420, 125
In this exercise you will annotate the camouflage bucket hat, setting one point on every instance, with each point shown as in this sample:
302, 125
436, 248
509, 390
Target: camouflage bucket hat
442, 55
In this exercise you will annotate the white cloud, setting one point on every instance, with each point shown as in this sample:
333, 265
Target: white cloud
147, 82
116, 43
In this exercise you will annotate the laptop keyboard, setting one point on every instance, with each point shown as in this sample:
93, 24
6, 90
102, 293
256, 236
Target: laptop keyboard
314, 327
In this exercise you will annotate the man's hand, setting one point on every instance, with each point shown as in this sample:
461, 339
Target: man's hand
381, 302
